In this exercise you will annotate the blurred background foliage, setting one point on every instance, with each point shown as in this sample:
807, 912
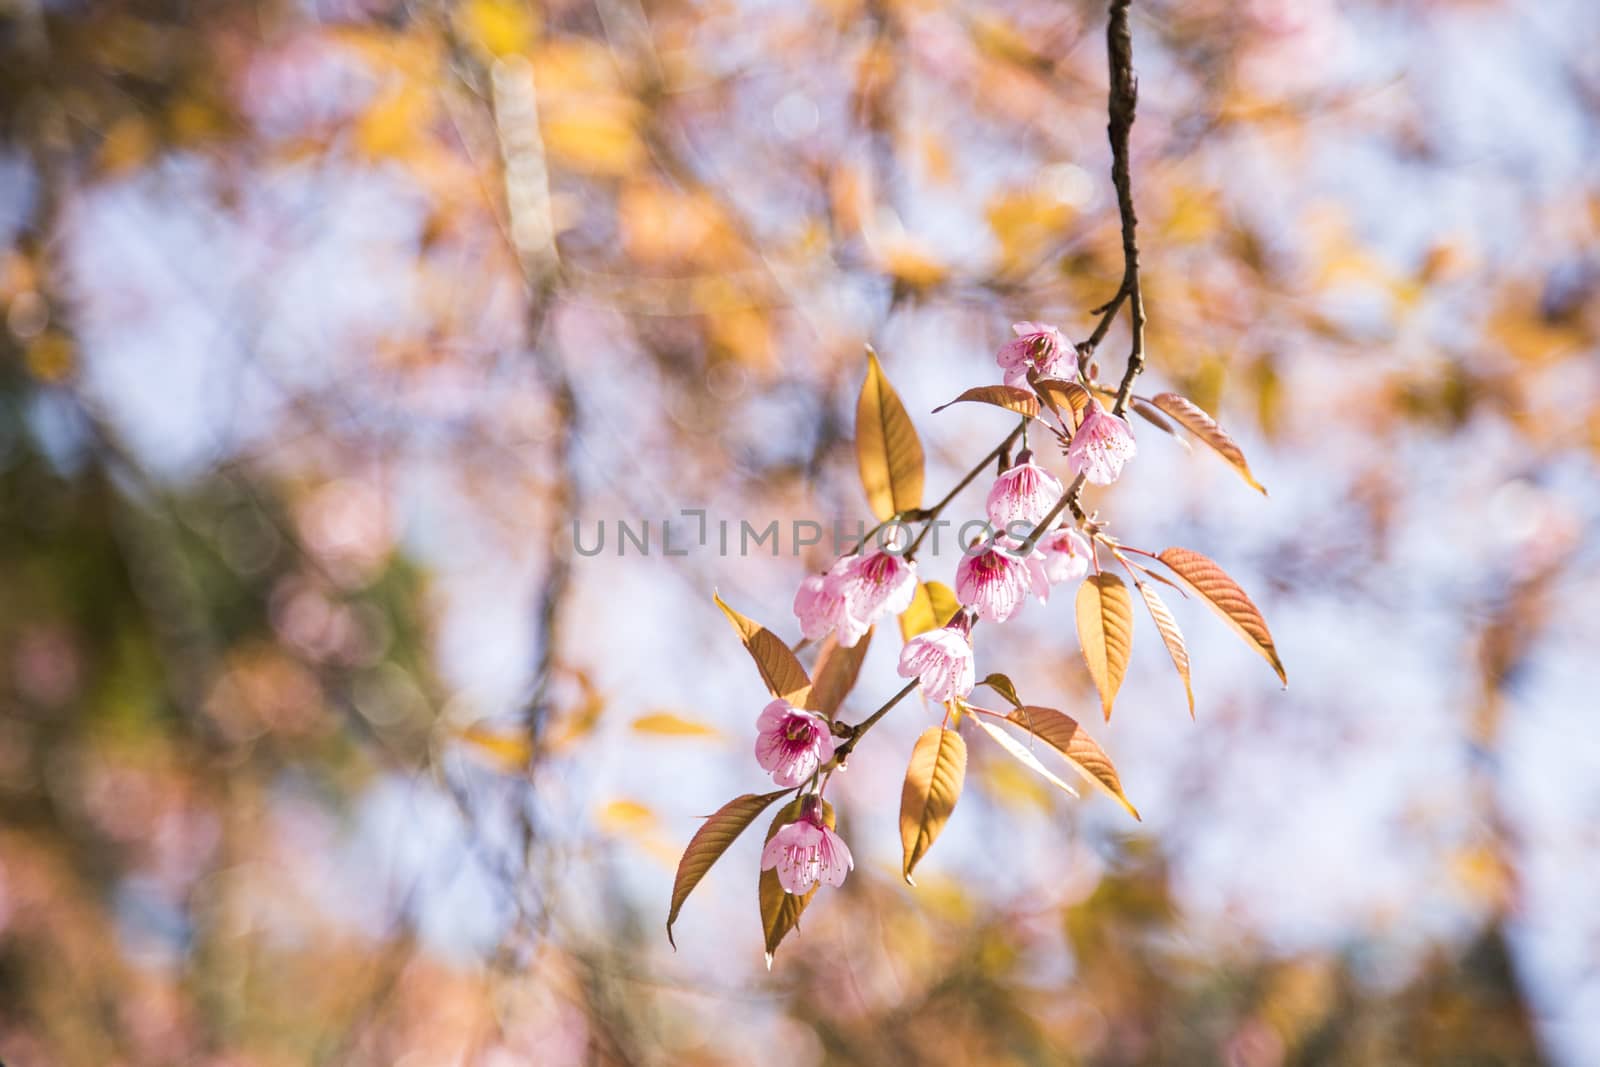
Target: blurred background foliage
323, 321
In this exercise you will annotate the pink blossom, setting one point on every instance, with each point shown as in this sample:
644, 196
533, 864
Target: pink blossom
995, 582
791, 743
1101, 445
869, 587
941, 661
1023, 494
1066, 555
817, 606
807, 853
1036, 347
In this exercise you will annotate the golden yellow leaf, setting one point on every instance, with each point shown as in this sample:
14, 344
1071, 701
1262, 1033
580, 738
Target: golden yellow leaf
1105, 630
887, 449
1021, 753
1222, 594
1002, 685
508, 747
779, 669
1062, 733
596, 136
837, 669
932, 605
720, 830
780, 911
1171, 636
1203, 426
1009, 397
933, 784
499, 27
625, 817
668, 724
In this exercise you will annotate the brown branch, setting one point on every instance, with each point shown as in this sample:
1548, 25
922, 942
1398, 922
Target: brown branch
1122, 101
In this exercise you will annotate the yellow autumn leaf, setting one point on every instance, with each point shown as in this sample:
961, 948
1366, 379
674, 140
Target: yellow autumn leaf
709, 842
1192, 418
1202, 577
888, 451
932, 605
779, 669
670, 725
1105, 630
932, 787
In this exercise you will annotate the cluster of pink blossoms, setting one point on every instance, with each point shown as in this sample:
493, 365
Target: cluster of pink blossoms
992, 583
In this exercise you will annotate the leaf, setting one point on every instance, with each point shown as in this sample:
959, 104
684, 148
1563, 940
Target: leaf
1148, 413
709, 842
1203, 426
779, 669
670, 725
1009, 397
1063, 397
837, 669
1222, 594
1062, 733
625, 817
1171, 636
933, 784
932, 605
1021, 753
511, 748
1001, 684
780, 911
887, 449
1105, 630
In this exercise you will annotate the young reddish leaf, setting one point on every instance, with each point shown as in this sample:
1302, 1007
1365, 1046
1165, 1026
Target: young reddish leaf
1222, 594
1171, 636
1150, 414
1001, 684
1021, 753
780, 911
1062, 733
1069, 400
1009, 397
779, 669
837, 669
710, 842
1105, 630
933, 784
1196, 421
887, 449
932, 605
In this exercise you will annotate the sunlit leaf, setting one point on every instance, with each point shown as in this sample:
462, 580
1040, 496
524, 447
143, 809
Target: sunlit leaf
1021, 753
780, 911
1001, 684
710, 842
1068, 400
1171, 636
1105, 630
1149, 413
1203, 426
625, 817
837, 669
1001, 396
932, 786
498, 27
670, 725
1062, 733
887, 449
932, 606
508, 747
779, 669
1222, 594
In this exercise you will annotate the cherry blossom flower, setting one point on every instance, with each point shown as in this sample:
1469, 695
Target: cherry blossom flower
806, 853
941, 661
817, 606
1023, 494
995, 581
1101, 445
1036, 347
790, 743
856, 592
870, 587
1066, 555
